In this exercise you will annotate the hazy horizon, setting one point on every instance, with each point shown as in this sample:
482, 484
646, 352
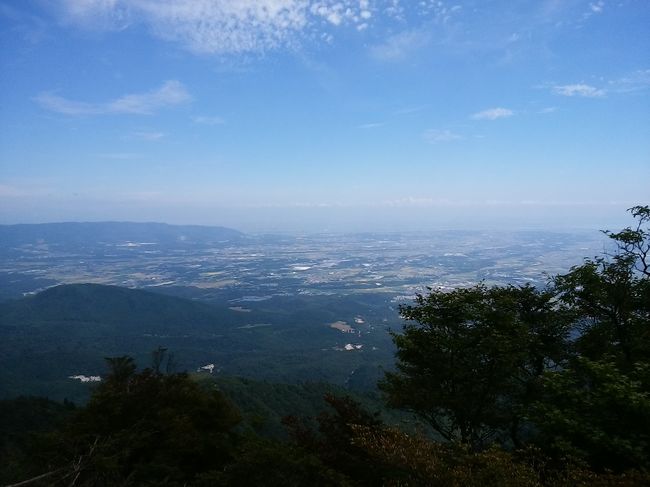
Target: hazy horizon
342, 220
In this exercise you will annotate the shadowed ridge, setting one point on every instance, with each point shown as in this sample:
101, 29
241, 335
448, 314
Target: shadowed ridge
112, 305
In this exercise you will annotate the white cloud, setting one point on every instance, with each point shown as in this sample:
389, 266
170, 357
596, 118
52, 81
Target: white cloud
169, 94
333, 13
435, 136
122, 156
221, 26
636, 81
371, 125
225, 26
59, 104
93, 14
547, 110
597, 7
440, 11
394, 10
579, 90
252, 26
410, 201
148, 135
493, 114
400, 46
409, 110
207, 120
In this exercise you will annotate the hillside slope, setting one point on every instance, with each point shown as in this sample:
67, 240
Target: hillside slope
68, 330
114, 308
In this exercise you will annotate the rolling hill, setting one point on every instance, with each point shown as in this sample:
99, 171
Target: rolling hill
67, 330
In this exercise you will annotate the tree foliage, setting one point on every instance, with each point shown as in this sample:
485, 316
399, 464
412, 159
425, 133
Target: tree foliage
333, 443
469, 359
610, 297
148, 427
598, 408
594, 412
634, 242
416, 460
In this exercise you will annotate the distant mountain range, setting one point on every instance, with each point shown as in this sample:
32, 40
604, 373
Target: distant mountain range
88, 233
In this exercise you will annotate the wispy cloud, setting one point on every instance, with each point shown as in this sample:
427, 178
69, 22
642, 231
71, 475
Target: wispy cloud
207, 120
148, 135
222, 26
435, 135
493, 114
638, 80
339, 11
597, 7
121, 156
27, 26
400, 46
579, 89
225, 27
409, 201
170, 93
371, 125
62, 105
634, 81
547, 110
410, 110
415, 201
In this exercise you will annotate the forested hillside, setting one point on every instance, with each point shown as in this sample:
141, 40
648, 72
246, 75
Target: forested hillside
67, 330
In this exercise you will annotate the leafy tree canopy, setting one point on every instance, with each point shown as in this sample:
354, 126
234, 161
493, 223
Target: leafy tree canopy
469, 359
146, 426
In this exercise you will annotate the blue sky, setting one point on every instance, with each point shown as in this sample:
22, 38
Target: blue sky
335, 115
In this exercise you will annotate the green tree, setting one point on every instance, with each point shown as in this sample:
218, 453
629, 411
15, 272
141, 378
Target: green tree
267, 463
120, 369
416, 460
634, 242
470, 360
26, 425
598, 407
146, 427
610, 297
594, 412
333, 441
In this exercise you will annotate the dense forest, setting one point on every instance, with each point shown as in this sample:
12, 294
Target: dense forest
510, 385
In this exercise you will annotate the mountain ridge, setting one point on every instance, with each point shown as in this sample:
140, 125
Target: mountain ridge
112, 232
88, 302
